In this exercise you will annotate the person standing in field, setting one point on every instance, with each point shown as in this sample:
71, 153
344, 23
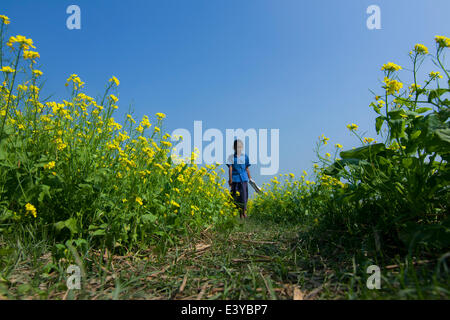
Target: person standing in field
239, 175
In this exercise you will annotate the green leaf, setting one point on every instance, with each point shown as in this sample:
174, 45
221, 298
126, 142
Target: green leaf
99, 232
363, 153
424, 109
443, 135
439, 142
415, 135
436, 93
446, 102
407, 162
337, 166
396, 114
444, 113
149, 218
378, 123
45, 192
59, 225
86, 187
397, 128
70, 224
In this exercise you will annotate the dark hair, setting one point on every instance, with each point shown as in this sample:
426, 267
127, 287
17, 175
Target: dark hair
235, 145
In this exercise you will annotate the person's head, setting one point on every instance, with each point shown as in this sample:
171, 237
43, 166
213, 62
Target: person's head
238, 146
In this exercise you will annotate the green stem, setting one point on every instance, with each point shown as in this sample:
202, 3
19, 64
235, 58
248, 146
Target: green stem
439, 60
9, 94
415, 83
1, 45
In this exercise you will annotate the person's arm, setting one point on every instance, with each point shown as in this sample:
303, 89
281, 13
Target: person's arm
230, 174
248, 173
247, 165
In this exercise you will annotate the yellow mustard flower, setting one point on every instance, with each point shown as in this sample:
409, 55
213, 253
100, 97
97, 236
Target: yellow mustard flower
31, 209
7, 69
76, 81
435, 74
24, 42
442, 41
5, 19
413, 87
130, 118
30, 55
145, 123
392, 85
166, 143
172, 202
37, 73
420, 49
50, 165
390, 66
113, 98
115, 80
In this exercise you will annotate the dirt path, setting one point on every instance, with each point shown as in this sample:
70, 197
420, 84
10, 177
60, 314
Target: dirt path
255, 260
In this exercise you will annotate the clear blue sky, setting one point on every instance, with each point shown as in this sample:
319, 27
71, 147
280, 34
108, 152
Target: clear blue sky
304, 67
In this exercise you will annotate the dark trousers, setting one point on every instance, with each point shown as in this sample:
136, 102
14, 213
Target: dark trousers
241, 199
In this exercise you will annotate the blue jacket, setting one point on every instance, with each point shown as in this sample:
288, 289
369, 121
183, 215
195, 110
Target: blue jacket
239, 165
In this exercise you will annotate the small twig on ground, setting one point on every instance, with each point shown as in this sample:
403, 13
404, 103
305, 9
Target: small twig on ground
394, 266
183, 284
202, 291
272, 294
313, 293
